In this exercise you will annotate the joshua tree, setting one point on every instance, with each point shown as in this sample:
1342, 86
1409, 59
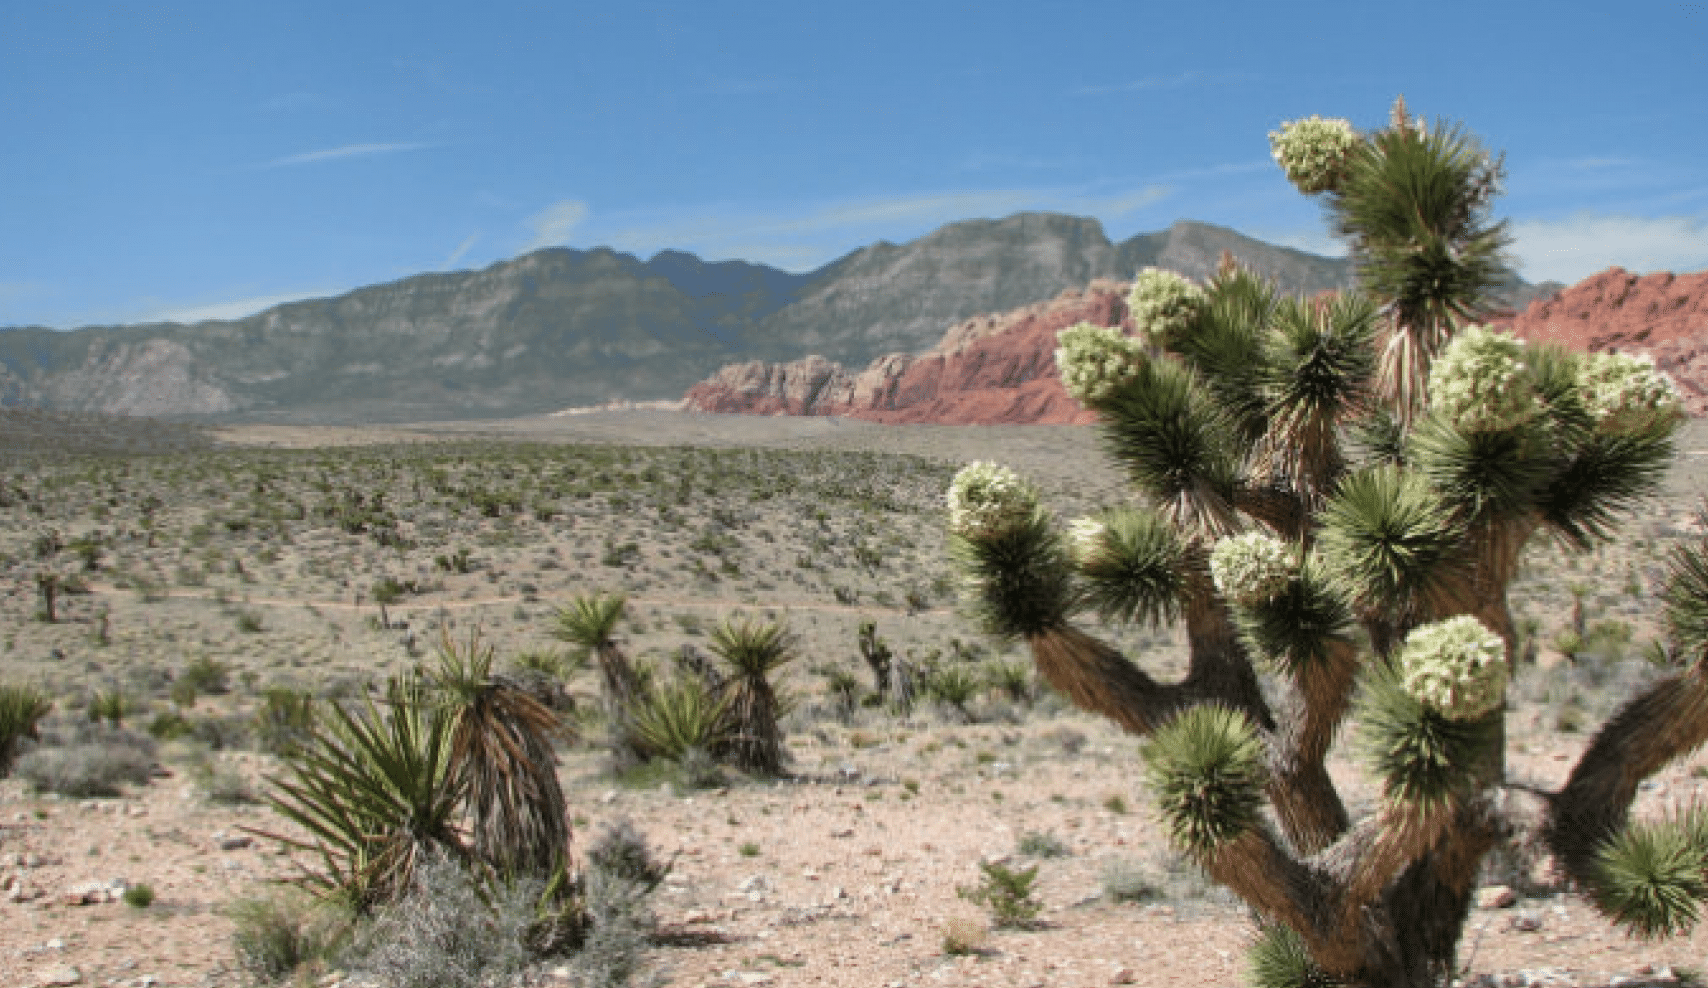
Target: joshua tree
589, 623
753, 650
877, 655
1338, 491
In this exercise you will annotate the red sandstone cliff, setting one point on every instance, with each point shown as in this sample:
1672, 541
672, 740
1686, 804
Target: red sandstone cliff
999, 369
1663, 315
985, 371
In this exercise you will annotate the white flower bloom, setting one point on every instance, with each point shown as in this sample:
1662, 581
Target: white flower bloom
1626, 393
1313, 151
1252, 568
1481, 382
1085, 539
988, 500
1456, 667
1095, 361
1164, 304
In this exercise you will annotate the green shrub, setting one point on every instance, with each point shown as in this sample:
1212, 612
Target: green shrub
206, 675
284, 721
139, 896
21, 711
1006, 894
280, 935
1042, 844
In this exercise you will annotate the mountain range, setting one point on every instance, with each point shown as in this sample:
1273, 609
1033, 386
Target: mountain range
562, 327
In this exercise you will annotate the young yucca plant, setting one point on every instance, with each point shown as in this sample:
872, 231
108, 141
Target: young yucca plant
1338, 492
374, 789
21, 711
590, 623
753, 650
681, 716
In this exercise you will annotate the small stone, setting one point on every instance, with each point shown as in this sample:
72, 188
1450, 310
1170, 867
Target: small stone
1124, 976
1527, 921
232, 842
60, 976
1495, 897
610, 796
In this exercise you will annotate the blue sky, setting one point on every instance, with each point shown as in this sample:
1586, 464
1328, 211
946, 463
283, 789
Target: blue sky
190, 161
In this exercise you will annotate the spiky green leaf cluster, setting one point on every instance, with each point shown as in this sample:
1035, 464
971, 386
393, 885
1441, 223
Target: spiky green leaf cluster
1164, 305
21, 709
1016, 583
1686, 597
1133, 563
1279, 958
1313, 151
1455, 667
1206, 769
1296, 629
1096, 361
1388, 536
988, 500
1650, 877
1422, 757
1481, 383
1626, 393
1253, 567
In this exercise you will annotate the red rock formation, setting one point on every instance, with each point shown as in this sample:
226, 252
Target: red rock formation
992, 370
1663, 315
987, 370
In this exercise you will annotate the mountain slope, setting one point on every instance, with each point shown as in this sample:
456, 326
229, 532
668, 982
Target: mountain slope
562, 327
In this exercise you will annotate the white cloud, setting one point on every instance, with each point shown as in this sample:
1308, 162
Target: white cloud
553, 224
234, 309
461, 251
1570, 250
347, 151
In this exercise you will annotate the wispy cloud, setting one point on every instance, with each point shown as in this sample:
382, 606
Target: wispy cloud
347, 151
461, 251
1179, 80
1572, 249
553, 224
233, 309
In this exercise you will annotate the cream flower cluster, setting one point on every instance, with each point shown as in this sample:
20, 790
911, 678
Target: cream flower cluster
1252, 568
1095, 361
1456, 667
1085, 540
1481, 382
1312, 151
1164, 304
1626, 393
988, 500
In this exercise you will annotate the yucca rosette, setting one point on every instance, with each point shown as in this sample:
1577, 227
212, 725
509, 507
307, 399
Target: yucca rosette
1313, 151
988, 500
1164, 305
1253, 568
1096, 361
1627, 392
1455, 667
1481, 383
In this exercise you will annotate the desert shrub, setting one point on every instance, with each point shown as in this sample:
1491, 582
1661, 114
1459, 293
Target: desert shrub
284, 721
1042, 844
206, 676
1005, 893
21, 711
679, 716
169, 725
139, 896
89, 763
621, 873
1127, 880
111, 706
276, 936
963, 936
449, 931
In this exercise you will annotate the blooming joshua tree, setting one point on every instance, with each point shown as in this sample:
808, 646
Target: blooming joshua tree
1338, 491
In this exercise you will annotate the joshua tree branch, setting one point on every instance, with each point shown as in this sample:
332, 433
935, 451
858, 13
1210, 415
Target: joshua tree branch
1667, 720
1305, 799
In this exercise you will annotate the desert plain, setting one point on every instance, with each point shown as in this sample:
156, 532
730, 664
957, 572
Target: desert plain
197, 569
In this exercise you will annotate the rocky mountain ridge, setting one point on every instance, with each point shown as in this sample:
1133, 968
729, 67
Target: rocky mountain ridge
562, 328
1000, 369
